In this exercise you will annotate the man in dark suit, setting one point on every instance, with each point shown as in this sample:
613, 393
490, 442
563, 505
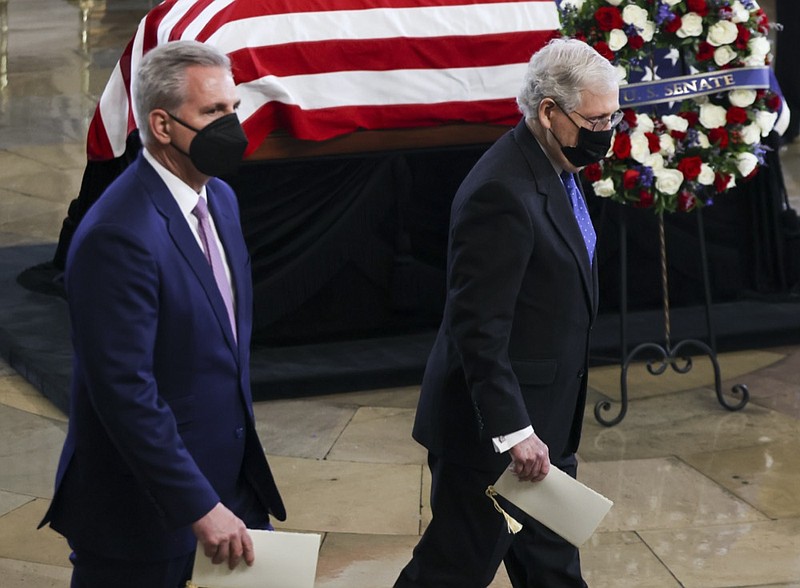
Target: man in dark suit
505, 383
162, 450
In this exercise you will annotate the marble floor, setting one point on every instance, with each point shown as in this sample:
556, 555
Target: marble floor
703, 497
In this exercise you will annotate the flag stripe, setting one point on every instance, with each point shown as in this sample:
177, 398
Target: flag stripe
252, 63
398, 24
333, 122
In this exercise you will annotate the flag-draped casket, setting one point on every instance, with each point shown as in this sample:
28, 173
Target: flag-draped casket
318, 69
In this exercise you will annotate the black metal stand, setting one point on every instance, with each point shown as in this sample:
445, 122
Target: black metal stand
666, 355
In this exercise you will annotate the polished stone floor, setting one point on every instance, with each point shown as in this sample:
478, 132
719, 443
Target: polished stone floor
703, 497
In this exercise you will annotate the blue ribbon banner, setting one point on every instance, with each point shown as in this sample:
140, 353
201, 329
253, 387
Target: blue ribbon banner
683, 87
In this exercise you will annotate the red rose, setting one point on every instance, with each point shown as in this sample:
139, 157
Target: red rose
603, 49
690, 167
629, 116
635, 42
743, 37
645, 199
719, 136
622, 146
592, 172
721, 182
774, 102
736, 115
698, 6
678, 135
705, 51
653, 142
673, 25
686, 201
630, 179
609, 18
763, 21
691, 117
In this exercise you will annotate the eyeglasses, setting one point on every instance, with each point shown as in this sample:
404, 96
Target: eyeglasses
599, 123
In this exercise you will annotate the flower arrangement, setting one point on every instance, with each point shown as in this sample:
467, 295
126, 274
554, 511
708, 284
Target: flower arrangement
676, 159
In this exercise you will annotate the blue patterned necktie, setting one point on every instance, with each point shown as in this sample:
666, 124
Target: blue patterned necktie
580, 212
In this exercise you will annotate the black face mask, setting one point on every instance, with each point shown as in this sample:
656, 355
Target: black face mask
218, 147
592, 145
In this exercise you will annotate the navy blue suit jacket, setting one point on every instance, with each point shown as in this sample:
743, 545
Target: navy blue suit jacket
512, 349
161, 425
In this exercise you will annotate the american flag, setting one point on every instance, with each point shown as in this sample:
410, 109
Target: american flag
317, 69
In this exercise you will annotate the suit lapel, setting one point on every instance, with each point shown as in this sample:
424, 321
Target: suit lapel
558, 208
186, 243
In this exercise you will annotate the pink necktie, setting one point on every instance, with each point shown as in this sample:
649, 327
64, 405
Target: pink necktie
214, 258
580, 212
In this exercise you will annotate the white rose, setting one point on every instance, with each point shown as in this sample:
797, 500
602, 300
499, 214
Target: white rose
707, 175
766, 121
617, 39
668, 180
702, 140
655, 161
691, 25
577, 4
614, 2
672, 2
722, 32
743, 98
648, 30
740, 13
746, 163
673, 122
712, 116
604, 188
666, 145
640, 147
622, 74
634, 15
724, 55
758, 46
644, 123
751, 134
755, 60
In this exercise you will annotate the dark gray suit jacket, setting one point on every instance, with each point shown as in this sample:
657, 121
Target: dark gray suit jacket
512, 349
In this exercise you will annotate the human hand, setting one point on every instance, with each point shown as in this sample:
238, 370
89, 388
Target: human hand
224, 537
530, 459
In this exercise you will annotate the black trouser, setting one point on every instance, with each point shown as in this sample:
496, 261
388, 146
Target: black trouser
467, 538
95, 571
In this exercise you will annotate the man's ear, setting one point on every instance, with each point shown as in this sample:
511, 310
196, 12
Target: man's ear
159, 122
545, 111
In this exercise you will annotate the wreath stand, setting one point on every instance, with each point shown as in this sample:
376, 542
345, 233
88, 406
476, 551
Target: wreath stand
668, 355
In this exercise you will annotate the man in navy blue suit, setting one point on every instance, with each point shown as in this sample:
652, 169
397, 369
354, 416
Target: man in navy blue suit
505, 383
162, 451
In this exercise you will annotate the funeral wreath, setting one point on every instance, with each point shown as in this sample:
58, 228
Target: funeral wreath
695, 89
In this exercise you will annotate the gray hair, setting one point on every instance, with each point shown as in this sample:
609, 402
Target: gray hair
561, 70
161, 78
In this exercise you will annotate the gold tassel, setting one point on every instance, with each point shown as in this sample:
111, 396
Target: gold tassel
513, 524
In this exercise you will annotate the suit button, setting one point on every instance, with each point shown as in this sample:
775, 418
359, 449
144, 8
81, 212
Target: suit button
239, 432
580, 374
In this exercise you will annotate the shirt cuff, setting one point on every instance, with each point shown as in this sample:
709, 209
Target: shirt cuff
506, 442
